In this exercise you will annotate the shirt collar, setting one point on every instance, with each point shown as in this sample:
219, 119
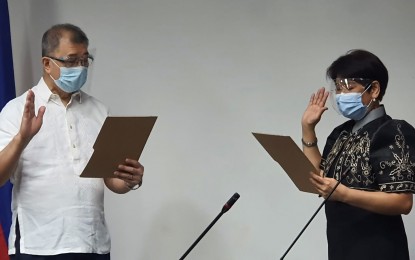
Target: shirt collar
44, 93
372, 115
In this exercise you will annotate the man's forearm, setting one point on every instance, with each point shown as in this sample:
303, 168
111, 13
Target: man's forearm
116, 185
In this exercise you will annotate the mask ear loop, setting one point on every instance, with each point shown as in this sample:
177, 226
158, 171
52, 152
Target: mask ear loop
56, 66
370, 103
367, 87
373, 99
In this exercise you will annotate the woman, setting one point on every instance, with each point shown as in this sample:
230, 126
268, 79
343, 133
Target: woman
371, 155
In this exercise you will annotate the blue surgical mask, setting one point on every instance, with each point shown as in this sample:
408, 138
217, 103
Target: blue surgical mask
71, 79
351, 106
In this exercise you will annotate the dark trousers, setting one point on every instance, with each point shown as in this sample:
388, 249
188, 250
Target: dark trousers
70, 256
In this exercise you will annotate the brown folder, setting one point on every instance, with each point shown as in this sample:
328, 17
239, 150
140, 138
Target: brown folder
119, 138
285, 151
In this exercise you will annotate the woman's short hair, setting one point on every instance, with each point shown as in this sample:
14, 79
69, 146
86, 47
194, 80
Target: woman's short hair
359, 63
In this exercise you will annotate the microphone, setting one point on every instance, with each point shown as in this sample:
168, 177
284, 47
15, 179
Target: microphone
225, 208
230, 202
315, 213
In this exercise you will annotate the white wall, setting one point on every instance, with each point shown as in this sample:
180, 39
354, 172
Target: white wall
215, 71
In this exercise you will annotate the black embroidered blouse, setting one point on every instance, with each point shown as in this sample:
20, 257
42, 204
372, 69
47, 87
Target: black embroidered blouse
378, 157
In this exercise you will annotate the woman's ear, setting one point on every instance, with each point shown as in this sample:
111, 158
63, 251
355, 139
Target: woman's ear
375, 90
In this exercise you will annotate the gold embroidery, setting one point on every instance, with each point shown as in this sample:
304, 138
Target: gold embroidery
353, 150
354, 154
401, 165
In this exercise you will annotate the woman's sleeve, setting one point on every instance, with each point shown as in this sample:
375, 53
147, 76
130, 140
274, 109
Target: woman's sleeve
392, 156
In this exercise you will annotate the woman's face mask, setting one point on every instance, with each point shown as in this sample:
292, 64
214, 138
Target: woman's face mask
350, 105
71, 79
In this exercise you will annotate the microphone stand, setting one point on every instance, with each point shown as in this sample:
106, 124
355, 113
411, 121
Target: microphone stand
315, 213
201, 235
225, 208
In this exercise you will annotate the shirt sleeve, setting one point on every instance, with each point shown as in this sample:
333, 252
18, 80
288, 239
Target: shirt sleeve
393, 157
10, 118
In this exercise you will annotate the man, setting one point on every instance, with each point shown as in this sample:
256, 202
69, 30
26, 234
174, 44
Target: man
56, 213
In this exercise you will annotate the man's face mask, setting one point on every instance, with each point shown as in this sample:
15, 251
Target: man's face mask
349, 104
71, 79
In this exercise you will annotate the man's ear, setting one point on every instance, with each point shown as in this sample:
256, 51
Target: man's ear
46, 65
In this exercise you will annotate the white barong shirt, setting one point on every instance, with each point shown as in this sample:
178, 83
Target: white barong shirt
58, 211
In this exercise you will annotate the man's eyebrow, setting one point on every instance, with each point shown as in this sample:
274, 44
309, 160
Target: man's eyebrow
73, 55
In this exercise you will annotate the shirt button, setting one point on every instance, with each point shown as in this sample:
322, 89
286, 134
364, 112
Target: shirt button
73, 145
70, 126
